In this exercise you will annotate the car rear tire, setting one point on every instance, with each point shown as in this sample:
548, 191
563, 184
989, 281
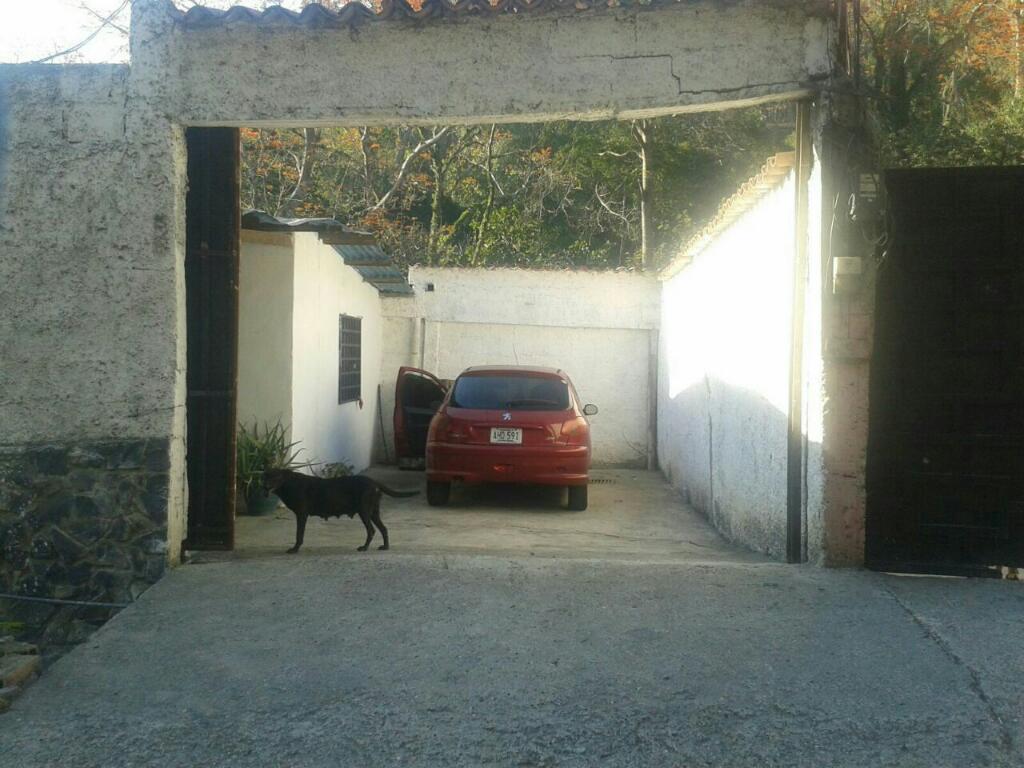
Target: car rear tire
438, 493
577, 498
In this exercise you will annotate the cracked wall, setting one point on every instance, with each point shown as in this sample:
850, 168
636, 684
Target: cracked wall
531, 66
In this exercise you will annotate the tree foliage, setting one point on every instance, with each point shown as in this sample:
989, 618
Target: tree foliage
552, 194
948, 80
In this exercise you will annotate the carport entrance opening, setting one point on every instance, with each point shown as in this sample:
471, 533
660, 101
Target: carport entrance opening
212, 287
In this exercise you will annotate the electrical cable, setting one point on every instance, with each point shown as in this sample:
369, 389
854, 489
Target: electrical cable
56, 601
105, 22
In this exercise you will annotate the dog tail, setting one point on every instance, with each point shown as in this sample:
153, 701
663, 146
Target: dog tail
396, 494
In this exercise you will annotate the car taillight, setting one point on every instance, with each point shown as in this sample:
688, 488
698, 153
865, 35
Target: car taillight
575, 432
451, 431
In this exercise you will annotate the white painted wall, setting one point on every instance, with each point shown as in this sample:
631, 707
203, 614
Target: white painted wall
292, 290
849, 549
597, 326
325, 288
724, 374
265, 302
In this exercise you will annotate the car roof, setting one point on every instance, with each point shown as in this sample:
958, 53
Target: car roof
516, 370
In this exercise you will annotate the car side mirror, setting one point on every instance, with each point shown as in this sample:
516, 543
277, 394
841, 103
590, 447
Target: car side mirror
589, 409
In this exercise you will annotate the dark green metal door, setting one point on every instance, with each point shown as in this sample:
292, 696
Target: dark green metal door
946, 448
211, 290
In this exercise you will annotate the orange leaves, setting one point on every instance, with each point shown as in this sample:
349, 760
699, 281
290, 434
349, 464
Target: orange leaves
541, 155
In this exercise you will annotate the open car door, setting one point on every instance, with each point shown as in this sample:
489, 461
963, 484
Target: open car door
418, 396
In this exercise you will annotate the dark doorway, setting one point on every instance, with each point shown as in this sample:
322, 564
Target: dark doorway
418, 396
946, 448
211, 292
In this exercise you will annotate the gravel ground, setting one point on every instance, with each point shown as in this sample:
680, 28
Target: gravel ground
387, 659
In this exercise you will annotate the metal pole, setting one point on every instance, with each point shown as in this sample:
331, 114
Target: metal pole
652, 401
795, 441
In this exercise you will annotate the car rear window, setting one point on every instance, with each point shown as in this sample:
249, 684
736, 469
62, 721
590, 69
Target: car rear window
510, 393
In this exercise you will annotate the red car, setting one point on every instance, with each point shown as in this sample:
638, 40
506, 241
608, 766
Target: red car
495, 424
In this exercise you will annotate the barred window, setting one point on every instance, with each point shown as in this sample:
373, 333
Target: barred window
350, 342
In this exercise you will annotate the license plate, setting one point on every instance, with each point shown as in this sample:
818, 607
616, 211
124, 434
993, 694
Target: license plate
506, 435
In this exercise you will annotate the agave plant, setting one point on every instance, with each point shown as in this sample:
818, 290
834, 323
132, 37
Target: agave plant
335, 469
260, 449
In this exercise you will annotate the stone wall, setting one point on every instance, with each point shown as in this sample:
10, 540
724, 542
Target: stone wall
91, 481
82, 522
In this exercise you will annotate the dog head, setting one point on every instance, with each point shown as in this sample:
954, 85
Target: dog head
272, 479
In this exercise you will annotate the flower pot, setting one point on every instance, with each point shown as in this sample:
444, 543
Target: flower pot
260, 504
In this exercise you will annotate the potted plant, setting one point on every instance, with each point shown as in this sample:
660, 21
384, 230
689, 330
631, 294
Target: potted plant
260, 449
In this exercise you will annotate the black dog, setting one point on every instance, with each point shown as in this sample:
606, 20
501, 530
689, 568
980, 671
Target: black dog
306, 495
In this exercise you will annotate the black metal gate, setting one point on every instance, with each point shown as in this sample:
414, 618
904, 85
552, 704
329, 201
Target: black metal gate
211, 291
946, 450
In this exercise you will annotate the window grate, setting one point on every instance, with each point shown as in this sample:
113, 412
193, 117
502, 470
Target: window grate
350, 342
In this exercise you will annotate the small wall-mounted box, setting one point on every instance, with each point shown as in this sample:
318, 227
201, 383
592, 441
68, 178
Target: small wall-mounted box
847, 274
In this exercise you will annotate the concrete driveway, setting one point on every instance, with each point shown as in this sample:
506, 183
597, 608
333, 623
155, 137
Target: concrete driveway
391, 659
632, 515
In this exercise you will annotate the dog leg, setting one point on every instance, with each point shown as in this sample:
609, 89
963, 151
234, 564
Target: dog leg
300, 532
369, 530
383, 529
380, 525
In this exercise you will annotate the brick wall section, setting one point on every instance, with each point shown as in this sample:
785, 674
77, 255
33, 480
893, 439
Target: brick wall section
847, 368
837, 539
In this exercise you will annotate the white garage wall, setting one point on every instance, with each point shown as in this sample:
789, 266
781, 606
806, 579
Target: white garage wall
325, 288
724, 374
266, 267
597, 326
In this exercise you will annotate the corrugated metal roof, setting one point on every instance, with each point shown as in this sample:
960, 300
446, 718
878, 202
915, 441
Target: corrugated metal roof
386, 278
772, 174
362, 254
395, 289
317, 16
388, 274
372, 264
264, 222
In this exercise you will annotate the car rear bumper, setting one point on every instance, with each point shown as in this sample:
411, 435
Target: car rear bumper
568, 465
